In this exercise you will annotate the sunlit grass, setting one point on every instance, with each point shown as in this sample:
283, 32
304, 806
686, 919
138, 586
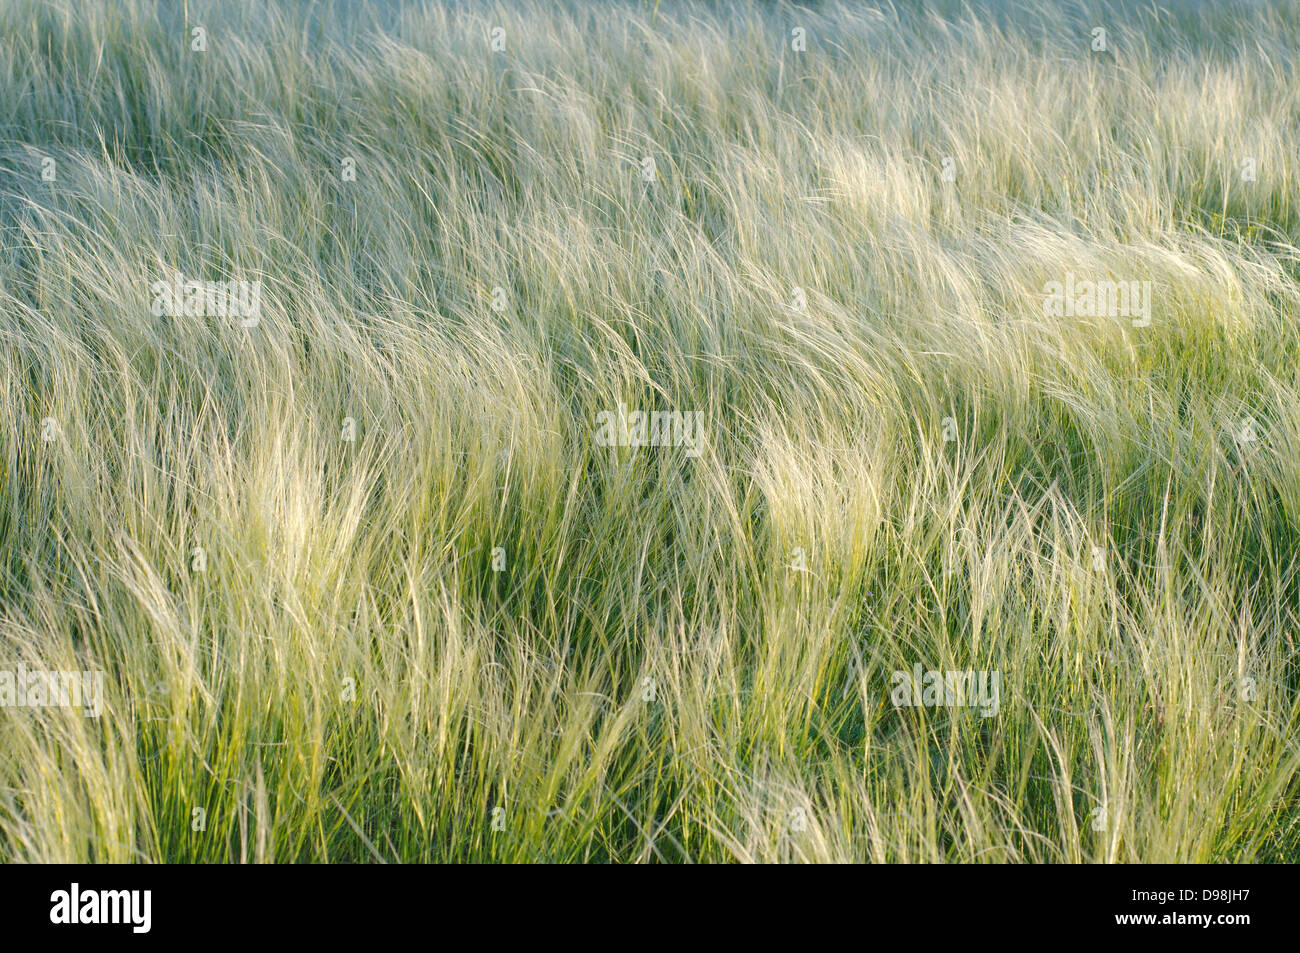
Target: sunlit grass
433, 619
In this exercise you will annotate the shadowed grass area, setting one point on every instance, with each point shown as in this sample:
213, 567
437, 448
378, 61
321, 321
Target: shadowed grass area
364, 584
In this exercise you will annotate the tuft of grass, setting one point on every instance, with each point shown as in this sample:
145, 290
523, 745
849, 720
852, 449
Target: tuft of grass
465, 630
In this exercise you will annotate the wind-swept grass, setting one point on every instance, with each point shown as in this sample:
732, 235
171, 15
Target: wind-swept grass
365, 586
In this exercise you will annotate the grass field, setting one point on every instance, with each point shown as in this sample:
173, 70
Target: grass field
374, 569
